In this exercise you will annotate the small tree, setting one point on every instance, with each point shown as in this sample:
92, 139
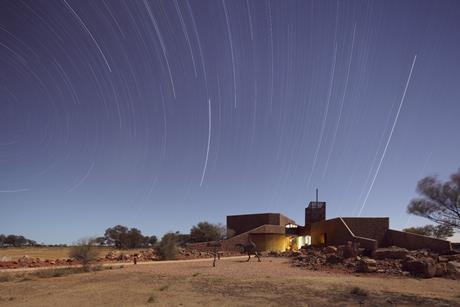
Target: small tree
438, 231
205, 231
123, 237
167, 248
152, 240
85, 251
440, 201
117, 236
443, 231
134, 238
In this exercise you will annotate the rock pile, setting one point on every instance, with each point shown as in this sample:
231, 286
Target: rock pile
391, 261
143, 255
30, 262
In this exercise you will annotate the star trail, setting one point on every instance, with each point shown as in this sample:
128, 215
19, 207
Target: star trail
161, 114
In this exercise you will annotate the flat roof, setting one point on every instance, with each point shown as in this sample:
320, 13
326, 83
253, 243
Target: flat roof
265, 213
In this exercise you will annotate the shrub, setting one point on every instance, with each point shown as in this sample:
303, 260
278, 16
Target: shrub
151, 299
167, 248
358, 291
6, 278
84, 251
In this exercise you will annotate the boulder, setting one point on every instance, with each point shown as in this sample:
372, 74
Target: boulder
454, 257
366, 265
441, 269
453, 269
124, 257
330, 250
443, 259
421, 267
333, 259
349, 250
113, 255
390, 253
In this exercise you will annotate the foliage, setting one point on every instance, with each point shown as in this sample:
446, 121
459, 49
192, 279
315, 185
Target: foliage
152, 240
85, 251
122, 237
167, 248
134, 238
101, 241
440, 201
438, 231
16, 241
205, 231
359, 291
182, 238
116, 235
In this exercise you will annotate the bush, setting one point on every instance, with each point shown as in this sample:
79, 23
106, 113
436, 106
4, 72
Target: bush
167, 248
205, 231
6, 278
358, 291
85, 251
123, 238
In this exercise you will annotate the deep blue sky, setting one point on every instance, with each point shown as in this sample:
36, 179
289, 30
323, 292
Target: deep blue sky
161, 114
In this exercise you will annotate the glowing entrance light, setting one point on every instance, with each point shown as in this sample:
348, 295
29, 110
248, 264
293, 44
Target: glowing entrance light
303, 240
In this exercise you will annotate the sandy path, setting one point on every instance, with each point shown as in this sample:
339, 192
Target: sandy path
116, 264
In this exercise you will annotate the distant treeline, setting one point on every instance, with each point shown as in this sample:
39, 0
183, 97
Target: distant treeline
16, 241
122, 237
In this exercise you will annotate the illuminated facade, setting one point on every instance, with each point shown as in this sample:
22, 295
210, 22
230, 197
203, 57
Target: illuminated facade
276, 232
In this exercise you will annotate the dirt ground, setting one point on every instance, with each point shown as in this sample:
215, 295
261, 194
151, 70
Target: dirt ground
234, 282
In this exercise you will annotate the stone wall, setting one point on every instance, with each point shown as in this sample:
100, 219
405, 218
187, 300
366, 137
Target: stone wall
270, 242
368, 227
335, 230
414, 241
338, 232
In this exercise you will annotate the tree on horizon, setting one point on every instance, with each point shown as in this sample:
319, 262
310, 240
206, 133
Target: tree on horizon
439, 201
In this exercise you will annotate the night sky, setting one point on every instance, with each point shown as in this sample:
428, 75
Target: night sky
161, 114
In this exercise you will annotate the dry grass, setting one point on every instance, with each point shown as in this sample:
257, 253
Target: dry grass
50, 252
48, 273
233, 282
